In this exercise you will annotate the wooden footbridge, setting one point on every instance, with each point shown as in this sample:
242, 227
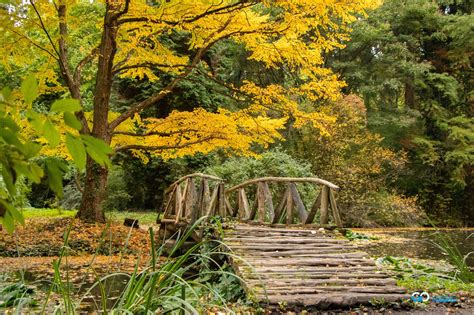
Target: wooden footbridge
288, 254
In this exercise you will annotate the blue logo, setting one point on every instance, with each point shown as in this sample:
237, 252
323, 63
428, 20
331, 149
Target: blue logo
420, 297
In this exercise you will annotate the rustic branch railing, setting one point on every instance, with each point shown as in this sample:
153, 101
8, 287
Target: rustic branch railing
190, 198
291, 208
185, 201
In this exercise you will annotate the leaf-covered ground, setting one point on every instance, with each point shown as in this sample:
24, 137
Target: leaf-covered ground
45, 237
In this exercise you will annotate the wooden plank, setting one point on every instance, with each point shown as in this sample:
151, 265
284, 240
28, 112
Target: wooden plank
314, 180
289, 207
221, 200
212, 204
229, 209
299, 203
310, 262
190, 200
260, 197
286, 240
324, 205
314, 275
268, 201
314, 210
330, 300
335, 211
178, 203
206, 197
279, 210
244, 208
314, 283
168, 208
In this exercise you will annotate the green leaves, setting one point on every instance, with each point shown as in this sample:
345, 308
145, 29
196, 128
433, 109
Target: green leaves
29, 89
51, 133
11, 215
56, 170
98, 150
77, 150
72, 121
66, 105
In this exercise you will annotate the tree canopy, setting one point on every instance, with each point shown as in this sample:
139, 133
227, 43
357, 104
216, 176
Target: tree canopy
79, 48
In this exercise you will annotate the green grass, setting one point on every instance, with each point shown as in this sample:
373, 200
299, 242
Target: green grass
33, 213
143, 217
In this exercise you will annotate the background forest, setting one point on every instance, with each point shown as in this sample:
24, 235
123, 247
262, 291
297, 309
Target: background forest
402, 147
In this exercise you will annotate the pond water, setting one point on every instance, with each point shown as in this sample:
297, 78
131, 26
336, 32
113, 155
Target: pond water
417, 243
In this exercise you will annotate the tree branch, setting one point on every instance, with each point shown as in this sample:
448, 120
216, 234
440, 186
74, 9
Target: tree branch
149, 65
222, 10
74, 86
154, 133
83, 63
160, 95
165, 147
43, 27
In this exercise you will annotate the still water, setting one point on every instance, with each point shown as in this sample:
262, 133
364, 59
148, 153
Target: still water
417, 243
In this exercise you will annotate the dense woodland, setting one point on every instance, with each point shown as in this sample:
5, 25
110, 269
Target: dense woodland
398, 138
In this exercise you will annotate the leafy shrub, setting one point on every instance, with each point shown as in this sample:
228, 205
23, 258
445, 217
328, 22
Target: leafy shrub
277, 163
117, 197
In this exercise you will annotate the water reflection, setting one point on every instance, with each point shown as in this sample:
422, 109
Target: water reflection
417, 243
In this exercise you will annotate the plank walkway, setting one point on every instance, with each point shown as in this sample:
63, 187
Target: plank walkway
304, 267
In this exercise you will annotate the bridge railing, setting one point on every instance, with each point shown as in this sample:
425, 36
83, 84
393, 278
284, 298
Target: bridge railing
194, 196
291, 208
197, 195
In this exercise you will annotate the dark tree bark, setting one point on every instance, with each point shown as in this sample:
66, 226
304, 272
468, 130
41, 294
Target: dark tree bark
96, 175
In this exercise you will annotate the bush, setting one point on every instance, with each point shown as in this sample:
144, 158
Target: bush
117, 197
236, 170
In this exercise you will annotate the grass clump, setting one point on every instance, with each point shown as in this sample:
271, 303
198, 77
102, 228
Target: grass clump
354, 236
415, 276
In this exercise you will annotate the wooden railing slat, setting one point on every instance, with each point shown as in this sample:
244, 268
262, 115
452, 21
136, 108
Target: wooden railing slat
289, 207
221, 200
268, 201
281, 207
261, 202
178, 203
314, 210
324, 205
335, 211
299, 203
212, 204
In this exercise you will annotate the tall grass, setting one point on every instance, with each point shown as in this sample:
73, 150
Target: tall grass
167, 284
456, 258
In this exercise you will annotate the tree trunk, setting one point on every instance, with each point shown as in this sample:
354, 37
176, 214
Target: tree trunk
94, 193
96, 176
409, 95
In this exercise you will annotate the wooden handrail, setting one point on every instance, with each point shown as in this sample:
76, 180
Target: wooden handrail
285, 180
201, 175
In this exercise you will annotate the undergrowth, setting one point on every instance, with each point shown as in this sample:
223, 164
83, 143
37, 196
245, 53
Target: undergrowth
198, 280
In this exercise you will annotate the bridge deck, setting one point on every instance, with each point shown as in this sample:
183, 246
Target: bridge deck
306, 267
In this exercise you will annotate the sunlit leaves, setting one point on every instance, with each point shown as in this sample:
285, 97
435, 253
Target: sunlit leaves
29, 89
56, 170
66, 105
72, 121
97, 150
77, 150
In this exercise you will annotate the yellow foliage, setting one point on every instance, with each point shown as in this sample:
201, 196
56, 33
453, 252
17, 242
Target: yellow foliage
294, 34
